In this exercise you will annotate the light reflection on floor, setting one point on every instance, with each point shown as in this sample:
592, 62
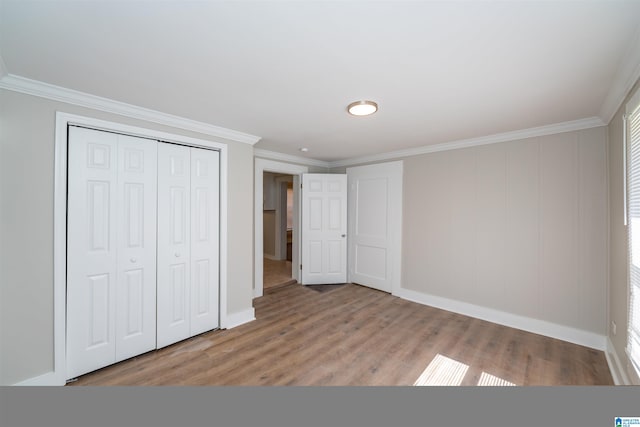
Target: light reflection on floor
444, 371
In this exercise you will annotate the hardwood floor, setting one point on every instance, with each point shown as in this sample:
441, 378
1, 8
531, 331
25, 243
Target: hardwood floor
354, 335
276, 273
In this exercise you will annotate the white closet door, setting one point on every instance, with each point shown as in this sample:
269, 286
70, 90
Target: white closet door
205, 201
111, 302
174, 225
136, 291
92, 250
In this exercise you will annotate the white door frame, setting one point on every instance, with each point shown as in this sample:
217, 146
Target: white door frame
261, 166
58, 376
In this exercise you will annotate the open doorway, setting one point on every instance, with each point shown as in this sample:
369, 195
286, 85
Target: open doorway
277, 217
277, 168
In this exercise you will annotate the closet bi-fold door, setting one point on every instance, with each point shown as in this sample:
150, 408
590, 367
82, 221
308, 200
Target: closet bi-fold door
188, 236
205, 220
111, 248
137, 204
174, 225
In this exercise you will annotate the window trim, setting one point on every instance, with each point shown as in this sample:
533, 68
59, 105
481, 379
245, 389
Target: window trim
632, 107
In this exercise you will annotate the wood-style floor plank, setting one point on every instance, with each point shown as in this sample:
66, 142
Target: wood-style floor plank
353, 335
276, 273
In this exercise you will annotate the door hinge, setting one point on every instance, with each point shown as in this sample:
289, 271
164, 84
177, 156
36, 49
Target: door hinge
300, 185
300, 266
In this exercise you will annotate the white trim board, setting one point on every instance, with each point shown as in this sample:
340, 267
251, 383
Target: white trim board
240, 318
57, 93
627, 75
541, 327
74, 97
47, 379
618, 371
570, 126
58, 375
574, 125
274, 155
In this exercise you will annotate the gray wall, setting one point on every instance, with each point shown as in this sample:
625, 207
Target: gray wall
519, 227
27, 126
618, 243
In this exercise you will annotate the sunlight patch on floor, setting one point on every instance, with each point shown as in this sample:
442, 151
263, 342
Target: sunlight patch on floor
442, 371
491, 380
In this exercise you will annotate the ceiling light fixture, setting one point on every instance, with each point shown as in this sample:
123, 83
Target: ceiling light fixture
362, 108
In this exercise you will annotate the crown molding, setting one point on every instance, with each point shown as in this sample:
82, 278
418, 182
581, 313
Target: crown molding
57, 93
273, 155
69, 96
569, 126
626, 76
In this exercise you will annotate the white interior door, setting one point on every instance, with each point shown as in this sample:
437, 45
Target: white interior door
375, 225
174, 235
136, 292
91, 245
205, 202
324, 228
111, 259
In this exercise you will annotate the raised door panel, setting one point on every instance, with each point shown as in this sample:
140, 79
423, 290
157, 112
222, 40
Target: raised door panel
335, 259
205, 201
136, 291
91, 243
370, 202
375, 198
313, 213
174, 224
324, 228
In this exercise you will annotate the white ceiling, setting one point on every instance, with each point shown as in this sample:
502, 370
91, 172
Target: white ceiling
285, 71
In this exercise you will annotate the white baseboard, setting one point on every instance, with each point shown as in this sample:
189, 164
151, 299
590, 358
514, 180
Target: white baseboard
47, 379
240, 318
541, 327
618, 371
272, 257
54, 379
257, 293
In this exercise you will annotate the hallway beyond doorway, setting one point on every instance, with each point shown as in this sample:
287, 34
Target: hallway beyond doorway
277, 273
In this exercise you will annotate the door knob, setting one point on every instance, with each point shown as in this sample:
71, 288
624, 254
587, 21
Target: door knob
344, 235
177, 254
133, 260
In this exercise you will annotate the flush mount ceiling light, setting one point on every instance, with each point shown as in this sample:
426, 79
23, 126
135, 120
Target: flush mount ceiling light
362, 108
